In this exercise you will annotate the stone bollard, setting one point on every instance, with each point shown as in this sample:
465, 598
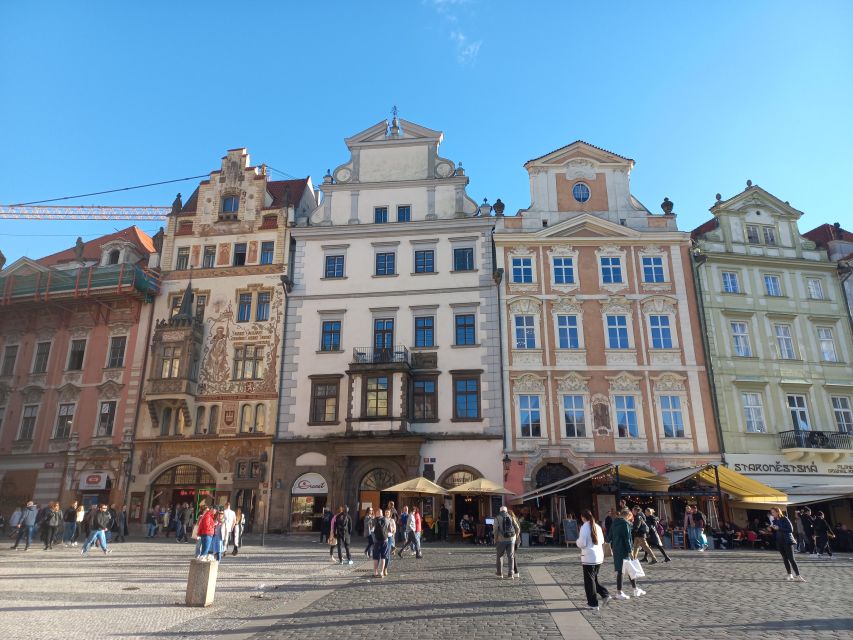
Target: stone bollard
201, 583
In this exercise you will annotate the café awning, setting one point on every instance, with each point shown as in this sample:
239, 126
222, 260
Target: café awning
483, 487
418, 485
740, 487
561, 485
638, 479
641, 479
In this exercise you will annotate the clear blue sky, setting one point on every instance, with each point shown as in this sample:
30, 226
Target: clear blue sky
99, 95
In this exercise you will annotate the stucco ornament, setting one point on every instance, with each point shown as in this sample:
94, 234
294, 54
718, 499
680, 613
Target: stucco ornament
528, 383
601, 415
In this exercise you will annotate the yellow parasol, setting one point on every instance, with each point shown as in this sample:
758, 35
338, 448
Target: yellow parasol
481, 486
417, 485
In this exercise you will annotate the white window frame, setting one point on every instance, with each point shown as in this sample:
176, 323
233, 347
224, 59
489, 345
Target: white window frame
753, 412
663, 267
743, 336
842, 410
515, 327
736, 276
330, 250
681, 398
628, 331
822, 341
23, 417
777, 285
587, 426
637, 411
523, 267
578, 329
670, 326
49, 354
611, 251
786, 348
814, 288
59, 414
101, 405
540, 408
802, 411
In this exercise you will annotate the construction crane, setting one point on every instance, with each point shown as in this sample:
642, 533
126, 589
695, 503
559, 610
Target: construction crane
64, 212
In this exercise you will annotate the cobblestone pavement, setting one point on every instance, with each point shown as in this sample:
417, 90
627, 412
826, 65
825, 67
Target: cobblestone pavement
138, 591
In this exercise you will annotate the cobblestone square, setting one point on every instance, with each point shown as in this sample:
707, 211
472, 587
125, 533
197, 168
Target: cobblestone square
290, 589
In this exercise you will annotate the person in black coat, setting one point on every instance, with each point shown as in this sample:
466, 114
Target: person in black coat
785, 542
808, 524
343, 532
823, 532
653, 537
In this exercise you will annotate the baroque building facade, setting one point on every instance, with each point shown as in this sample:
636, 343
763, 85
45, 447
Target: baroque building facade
603, 359
781, 349
211, 387
392, 365
73, 329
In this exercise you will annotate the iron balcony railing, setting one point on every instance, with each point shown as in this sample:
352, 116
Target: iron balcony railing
397, 354
815, 440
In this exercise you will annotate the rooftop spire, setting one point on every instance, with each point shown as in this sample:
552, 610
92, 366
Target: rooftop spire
185, 313
395, 123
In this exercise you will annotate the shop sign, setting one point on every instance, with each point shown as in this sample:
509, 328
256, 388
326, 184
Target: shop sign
310, 483
773, 465
96, 480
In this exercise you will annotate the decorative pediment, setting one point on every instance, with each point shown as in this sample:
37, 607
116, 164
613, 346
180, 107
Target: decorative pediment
669, 382
567, 304
528, 383
408, 131
520, 252
587, 225
68, 392
616, 305
624, 382
754, 196
572, 382
525, 306
79, 332
120, 328
659, 304
562, 251
32, 393
580, 152
109, 390
24, 267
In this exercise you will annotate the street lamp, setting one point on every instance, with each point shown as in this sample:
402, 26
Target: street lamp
506, 462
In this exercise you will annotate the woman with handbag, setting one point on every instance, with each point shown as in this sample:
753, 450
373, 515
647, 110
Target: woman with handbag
591, 543
785, 542
621, 544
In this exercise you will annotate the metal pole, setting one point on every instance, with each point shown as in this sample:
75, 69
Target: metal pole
722, 513
618, 489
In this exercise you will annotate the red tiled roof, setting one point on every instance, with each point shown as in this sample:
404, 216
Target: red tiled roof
92, 249
294, 188
704, 228
824, 233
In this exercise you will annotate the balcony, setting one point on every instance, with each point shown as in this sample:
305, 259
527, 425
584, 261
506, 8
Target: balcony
830, 446
393, 357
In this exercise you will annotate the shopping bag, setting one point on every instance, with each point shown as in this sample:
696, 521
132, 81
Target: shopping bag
333, 540
194, 536
633, 569
608, 550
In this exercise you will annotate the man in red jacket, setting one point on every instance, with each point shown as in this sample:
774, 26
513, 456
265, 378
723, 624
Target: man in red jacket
206, 528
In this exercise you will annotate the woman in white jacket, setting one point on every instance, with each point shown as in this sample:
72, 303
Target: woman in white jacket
591, 543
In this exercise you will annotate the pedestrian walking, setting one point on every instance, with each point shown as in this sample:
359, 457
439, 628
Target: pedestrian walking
591, 543
69, 520
53, 523
653, 537
166, 521
507, 531
151, 521
411, 535
620, 542
785, 542
381, 548
326, 525
206, 529
443, 523
100, 525
823, 534
807, 524
331, 538
403, 527
120, 527
187, 521
229, 518
81, 516
220, 535
237, 531
639, 532
368, 531
699, 522
343, 531
689, 532
14, 521
26, 525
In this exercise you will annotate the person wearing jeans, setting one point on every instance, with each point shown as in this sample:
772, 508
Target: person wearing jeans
591, 543
100, 526
70, 522
206, 529
27, 525
506, 532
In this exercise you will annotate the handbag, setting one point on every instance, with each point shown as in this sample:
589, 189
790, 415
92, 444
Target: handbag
608, 550
633, 569
194, 535
333, 540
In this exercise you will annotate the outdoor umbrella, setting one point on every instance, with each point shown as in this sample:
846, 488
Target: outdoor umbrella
417, 485
482, 486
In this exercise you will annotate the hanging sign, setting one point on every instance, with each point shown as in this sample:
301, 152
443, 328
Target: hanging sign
97, 480
310, 483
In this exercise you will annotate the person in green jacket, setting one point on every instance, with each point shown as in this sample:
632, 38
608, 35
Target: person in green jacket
622, 544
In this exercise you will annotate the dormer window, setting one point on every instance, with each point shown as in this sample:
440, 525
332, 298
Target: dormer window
113, 256
580, 192
230, 205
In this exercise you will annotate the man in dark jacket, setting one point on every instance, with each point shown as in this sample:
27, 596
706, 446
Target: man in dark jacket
100, 525
186, 520
808, 524
343, 531
443, 523
70, 524
27, 525
639, 532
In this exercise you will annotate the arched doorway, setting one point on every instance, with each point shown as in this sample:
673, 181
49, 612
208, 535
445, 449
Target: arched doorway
371, 490
556, 506
473, 506
552, 472
182, 483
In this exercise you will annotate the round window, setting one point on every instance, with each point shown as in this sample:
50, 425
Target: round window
580, 192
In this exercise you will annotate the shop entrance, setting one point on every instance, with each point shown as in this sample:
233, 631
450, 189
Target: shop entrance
462, 505
308, 497
372, 492
183, 483
247, 501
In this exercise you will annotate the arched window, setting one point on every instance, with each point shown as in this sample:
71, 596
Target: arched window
260, 418
246, 418
181, 422
199, 420
166, 421
458, 478
213, 422
113, 256
377, 480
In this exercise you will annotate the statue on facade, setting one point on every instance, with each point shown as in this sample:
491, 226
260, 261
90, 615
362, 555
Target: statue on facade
79, 246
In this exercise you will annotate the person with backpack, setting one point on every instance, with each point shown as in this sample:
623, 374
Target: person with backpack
654, 538
379, 534
343, 531
639, 532
506, 532
591, 543
368, 532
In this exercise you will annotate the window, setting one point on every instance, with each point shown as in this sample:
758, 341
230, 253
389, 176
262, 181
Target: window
522, 270
199, 420
324, 401
574, 415
107, 418
653, 269
174, 305
239, 254
42, 355
673, 424
10, 354
267, 250
730, 282
28, 422
334, 267
784, 341
465, 330
246, 418
626, 416
64, 421
529, 416
424, 400
260, 419
385, 264
769, 234
843, 413
611, 270
200, 306
525, 332
75, 355
330, 336
376, 397
567, 332
752, 234
208, 260
799, 412
383, 334
213, 419
564, 271
580, 192
230, 204
827, 345
380, 215
424, 331
617, 332
740, 340
171, 363
117, 347
262, 310
773, 286
815, 288
166, 421
183, 261
661, 334
466, 398
113, 256
463, 259
244, 307
404, 213
753, 412
249, 362
425, 261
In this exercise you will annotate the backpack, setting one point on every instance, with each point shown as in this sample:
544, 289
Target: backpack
507, 530
380, 530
